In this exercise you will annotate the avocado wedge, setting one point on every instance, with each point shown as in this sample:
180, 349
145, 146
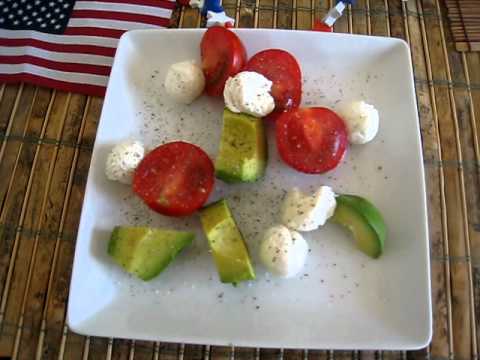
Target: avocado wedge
242, 156
226, 243
364, 221
145, 252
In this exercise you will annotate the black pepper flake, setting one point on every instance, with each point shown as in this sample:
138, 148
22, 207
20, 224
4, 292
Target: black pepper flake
220, 295
257, 307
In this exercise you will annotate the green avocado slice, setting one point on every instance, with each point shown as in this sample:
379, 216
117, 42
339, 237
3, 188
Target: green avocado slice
226, 243
243, 149
145, 252
364, 221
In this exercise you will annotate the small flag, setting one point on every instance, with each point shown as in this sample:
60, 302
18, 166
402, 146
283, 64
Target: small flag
69, 45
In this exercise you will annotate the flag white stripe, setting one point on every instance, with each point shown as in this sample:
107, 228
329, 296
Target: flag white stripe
59, 39
109, 24
127, 8
56, 56
74, 77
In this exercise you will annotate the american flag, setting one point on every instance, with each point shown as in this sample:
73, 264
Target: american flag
79, 59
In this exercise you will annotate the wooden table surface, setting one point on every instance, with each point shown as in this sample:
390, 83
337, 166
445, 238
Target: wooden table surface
46, 140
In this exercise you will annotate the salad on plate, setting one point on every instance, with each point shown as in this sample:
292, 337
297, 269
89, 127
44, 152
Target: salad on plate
176, 179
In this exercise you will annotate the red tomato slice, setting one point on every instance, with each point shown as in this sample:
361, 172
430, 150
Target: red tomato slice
223, 55
283, 70
311, 140
175, 179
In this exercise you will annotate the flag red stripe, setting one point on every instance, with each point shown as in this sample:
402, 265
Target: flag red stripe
122, 16
57, 65
93, 31
155, 3
65, 48
56, 84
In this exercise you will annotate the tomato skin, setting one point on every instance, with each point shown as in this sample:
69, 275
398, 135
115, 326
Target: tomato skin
311, 140
223, 55
175, 179
280, 67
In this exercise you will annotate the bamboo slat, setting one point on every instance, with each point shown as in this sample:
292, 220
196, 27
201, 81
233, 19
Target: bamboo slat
455, 200
435, 183
398, 19
43, 164
471, 68
361, 21
379, 18
341, 25
464, 16
46, 139
293, 354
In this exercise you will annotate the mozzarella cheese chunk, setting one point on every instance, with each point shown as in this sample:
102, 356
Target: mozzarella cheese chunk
305, 212
123, 160
184, 81
362, 121
283, 251
249, 92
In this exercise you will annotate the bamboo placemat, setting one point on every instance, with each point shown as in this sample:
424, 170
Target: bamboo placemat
46, 138
464, 17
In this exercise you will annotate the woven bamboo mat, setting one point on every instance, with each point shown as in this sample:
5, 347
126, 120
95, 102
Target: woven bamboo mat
464, 18
46, 138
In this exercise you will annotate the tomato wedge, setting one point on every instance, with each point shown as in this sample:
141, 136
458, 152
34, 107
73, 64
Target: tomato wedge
223, 55
280, 67
311, 140
174, 179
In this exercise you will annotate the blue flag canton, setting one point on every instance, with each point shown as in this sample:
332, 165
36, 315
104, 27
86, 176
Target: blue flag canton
49, 16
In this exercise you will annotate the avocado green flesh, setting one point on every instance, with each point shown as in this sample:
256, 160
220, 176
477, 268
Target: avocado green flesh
243, 148
228, 247
364, 221
146, 252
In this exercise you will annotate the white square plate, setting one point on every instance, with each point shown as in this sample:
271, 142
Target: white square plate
342, 299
